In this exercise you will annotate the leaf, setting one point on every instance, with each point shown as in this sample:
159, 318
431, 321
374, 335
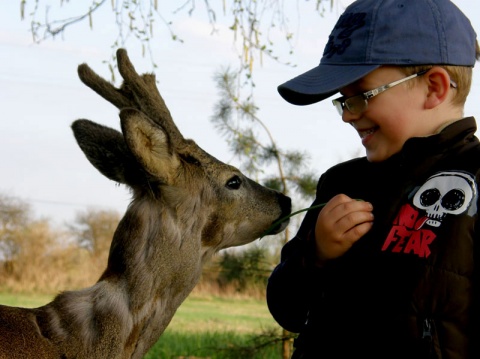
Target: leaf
90, 20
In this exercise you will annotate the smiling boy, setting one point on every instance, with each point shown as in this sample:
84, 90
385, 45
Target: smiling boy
390, 266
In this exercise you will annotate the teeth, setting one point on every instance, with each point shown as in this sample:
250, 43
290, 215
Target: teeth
366, 133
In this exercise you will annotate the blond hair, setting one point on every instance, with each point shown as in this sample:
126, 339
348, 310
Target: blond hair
460, 75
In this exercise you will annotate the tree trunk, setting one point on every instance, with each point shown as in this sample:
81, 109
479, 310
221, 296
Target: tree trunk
287, 344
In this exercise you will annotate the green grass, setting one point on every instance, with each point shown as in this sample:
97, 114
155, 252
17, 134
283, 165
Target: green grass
204, 327
222, 314
214, 345
222, 328
24, 300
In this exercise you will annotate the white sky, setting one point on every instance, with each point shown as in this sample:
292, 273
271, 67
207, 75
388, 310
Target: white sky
41, 95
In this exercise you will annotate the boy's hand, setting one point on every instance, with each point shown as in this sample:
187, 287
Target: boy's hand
341, 223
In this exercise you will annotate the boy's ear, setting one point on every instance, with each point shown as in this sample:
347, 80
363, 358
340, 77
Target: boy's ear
438, 82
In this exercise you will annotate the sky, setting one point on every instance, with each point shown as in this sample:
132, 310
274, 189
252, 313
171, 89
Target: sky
41, 95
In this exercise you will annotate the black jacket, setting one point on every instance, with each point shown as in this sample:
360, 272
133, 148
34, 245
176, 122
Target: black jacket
409, 288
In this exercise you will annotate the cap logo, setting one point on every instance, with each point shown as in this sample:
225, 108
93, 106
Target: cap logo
344, 28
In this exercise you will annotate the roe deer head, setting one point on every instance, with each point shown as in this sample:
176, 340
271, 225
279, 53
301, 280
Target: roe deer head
186, 205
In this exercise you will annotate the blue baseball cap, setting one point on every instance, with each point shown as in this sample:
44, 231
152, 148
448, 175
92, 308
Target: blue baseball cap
372, 33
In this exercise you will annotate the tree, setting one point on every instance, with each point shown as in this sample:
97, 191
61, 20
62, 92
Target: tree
252, 23
245, 270
93, 230
237, 119
14, 218
27, 247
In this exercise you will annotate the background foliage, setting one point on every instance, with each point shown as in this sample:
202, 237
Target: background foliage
34, 257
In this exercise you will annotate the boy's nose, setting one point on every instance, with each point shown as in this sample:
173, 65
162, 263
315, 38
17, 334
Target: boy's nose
349, 117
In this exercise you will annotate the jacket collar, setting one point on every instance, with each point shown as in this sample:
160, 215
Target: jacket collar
417, 149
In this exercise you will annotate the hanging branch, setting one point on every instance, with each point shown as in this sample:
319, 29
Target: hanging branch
252, 23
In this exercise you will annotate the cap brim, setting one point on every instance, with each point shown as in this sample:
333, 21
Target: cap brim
321, 82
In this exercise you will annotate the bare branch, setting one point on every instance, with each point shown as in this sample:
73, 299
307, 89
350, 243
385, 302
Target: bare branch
253, 23
56, 27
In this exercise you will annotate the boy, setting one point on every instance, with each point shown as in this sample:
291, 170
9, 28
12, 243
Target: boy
389, 267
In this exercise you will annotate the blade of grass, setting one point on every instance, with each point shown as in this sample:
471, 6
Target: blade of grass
281, 220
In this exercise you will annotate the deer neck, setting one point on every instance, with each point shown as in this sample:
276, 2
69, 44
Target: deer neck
143, 285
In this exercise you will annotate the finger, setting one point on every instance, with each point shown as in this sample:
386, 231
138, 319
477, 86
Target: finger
334, 204
338, 200
354, 218
357, 232
346, 208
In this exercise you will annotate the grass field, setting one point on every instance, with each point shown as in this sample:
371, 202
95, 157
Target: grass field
205, 327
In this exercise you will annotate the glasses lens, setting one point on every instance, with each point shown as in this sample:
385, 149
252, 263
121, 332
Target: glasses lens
356, 104
339, 106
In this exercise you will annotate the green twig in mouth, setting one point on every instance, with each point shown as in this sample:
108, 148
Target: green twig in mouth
281, 220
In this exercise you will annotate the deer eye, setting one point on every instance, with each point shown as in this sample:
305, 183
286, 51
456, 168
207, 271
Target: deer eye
234, 182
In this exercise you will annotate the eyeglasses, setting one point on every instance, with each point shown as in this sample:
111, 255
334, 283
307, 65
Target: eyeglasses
359, 103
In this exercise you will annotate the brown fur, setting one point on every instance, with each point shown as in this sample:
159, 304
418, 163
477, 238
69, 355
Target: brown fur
186, 206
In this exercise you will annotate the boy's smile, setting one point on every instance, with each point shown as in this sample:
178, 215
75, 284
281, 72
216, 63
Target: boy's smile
393, 116
366, 134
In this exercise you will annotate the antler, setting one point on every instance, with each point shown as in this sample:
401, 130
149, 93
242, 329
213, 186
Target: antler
137, 91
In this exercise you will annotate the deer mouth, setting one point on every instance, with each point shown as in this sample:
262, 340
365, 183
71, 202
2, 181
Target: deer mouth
280, 226
283, 220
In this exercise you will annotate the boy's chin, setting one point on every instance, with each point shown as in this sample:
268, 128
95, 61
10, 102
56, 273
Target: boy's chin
376, 156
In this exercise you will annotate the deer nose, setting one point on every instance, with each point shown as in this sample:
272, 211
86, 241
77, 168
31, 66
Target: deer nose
285, 204
282, 221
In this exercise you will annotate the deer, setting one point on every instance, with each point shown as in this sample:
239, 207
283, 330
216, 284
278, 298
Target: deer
186, 206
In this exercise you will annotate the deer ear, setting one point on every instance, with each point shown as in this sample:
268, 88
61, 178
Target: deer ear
149, 143
107, 151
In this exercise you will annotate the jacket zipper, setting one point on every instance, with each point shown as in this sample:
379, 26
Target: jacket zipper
427, 330
427, 337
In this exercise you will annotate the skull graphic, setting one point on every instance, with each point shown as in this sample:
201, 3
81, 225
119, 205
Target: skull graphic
449, 192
